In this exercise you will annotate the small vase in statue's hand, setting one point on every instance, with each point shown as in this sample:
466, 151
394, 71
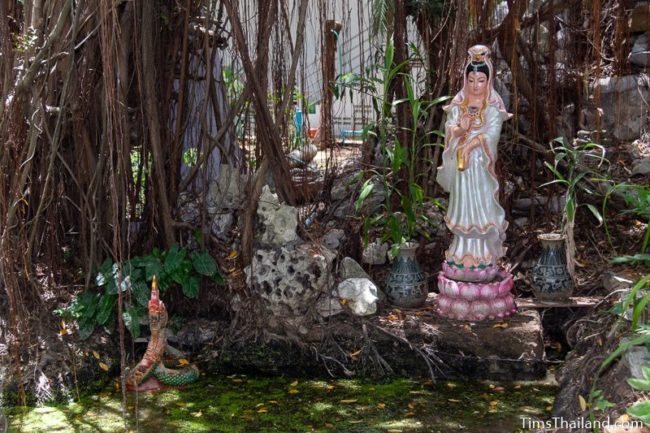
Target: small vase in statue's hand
460, 161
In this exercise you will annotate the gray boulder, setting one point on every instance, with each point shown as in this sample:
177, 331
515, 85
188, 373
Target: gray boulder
277, 222
361, 295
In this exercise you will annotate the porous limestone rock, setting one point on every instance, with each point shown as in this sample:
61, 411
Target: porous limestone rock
361, 295
621, 100
333, 238
277, 222
188, 208
290, 280
375, 253
228, 191
328, 305
221, 224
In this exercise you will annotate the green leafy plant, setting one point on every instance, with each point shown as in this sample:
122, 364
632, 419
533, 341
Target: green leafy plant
641, 410
571, 174
172, 267
637, 199
402, 215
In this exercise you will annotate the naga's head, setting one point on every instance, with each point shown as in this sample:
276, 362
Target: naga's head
157, 310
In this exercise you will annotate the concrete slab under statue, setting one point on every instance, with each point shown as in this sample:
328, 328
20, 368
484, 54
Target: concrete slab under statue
472, 286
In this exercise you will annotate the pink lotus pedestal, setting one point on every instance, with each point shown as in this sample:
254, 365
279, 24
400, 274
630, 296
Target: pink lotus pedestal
462, 297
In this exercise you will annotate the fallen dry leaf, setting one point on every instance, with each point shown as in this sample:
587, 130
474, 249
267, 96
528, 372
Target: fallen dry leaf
451, 385
259, 405
183, 361
103, 366
294, 391
95, 354
237, 380
381, 405
348, 401
501, 325
262, 410
233, 254
294, 383
453, 400
197, 414
355, 354
273, 401
583, 402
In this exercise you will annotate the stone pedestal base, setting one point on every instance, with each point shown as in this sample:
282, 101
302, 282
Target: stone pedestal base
476, 300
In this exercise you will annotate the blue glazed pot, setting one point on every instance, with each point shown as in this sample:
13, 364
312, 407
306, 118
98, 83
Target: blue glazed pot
551, 278
406, 286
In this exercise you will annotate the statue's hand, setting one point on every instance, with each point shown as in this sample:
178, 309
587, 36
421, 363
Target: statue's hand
464, 123
467, 149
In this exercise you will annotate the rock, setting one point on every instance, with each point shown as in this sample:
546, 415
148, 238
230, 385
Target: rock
640, 54
188, 208
302, 156
612, 282
290, 280
351, 269
361, 294
328, 306
375, 253
278, 222
641, 166
639, 19
635, 358
621, 99
640, 149
228, 191
343, 187
221, 225
521, 222
332, 239
194, 334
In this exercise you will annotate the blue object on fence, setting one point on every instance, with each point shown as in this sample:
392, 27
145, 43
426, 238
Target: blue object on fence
351, 132
298, 123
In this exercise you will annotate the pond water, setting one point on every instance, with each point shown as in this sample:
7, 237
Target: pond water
242, 403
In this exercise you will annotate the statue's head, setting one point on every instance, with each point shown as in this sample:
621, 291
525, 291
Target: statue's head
477, 80
157, 310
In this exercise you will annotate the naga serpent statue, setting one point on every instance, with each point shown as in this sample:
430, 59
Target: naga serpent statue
151, 373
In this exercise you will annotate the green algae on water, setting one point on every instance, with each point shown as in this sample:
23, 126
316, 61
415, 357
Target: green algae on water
276, 404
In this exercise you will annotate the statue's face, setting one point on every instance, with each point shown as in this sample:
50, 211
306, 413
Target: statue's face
477, 83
